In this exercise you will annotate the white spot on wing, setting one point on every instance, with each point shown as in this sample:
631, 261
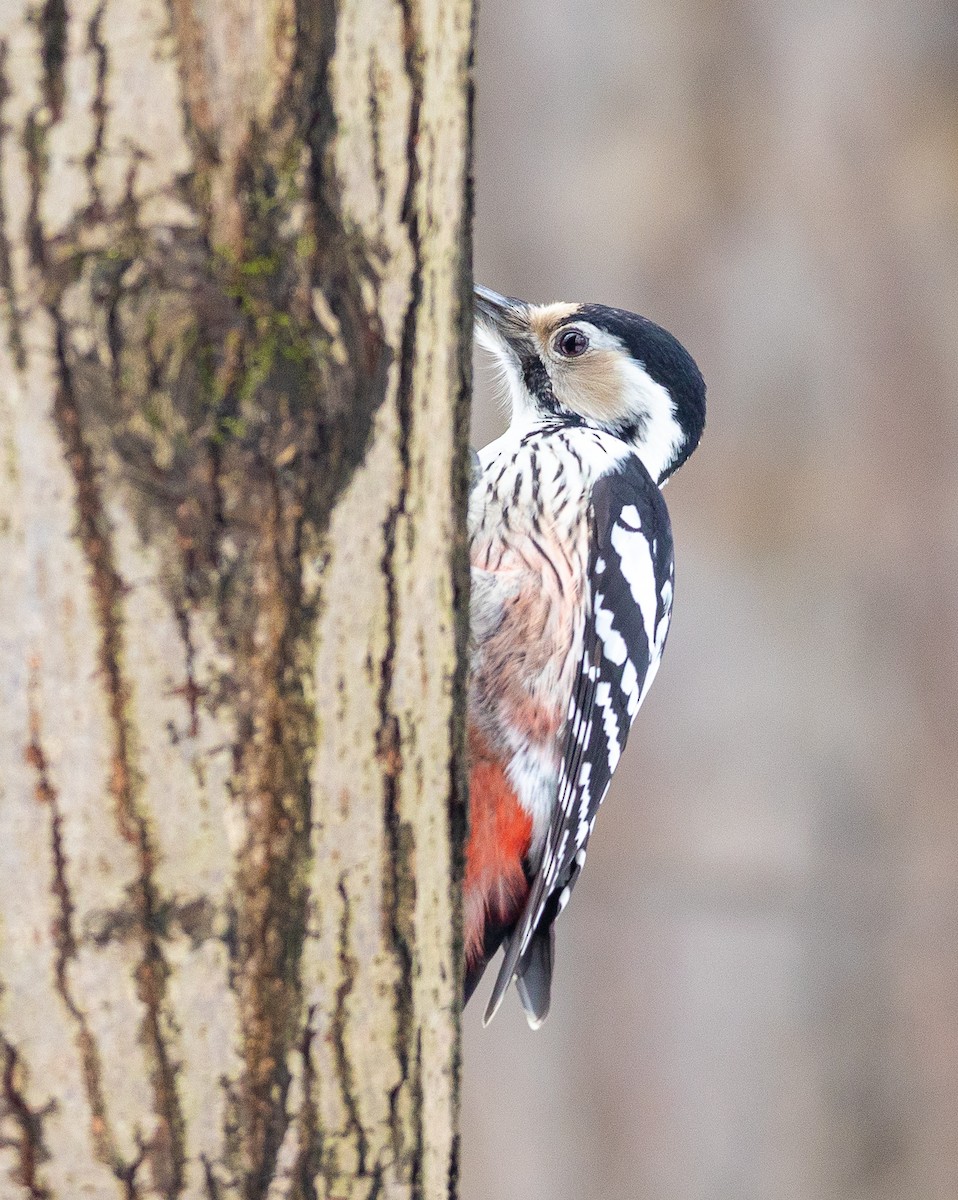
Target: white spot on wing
582, 831
613, 643
630, 686
638, 571
630, 516
603, 698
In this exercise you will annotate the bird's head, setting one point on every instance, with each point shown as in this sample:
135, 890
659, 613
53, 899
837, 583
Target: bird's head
603, 367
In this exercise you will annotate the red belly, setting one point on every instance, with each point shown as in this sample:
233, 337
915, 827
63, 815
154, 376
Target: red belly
499, 834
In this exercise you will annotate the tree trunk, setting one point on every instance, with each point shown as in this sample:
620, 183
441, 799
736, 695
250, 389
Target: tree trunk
233, 375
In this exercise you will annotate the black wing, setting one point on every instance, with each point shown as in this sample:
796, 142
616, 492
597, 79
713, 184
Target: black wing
629, 605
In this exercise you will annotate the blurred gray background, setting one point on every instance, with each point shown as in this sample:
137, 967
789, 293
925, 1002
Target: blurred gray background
757, 980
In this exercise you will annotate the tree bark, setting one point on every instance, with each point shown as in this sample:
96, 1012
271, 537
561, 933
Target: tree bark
234, 247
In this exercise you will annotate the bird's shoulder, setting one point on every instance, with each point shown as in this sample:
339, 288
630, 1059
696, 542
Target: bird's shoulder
627, 496
539, 476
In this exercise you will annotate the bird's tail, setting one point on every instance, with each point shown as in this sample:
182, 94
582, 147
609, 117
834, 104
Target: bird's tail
534, 976
495, 931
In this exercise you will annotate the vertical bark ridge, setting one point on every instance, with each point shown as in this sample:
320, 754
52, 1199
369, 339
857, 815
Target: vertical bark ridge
436, 385
459, 483
52, 23
65, 939
309, 1142
166, 1152
338, 1027
98, 105
399, 893
27, 1140
273, 781
13, 318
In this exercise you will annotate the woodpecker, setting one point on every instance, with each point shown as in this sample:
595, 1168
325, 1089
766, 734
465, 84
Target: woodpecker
572, 577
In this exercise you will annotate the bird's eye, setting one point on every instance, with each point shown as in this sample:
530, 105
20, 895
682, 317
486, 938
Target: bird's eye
571, 343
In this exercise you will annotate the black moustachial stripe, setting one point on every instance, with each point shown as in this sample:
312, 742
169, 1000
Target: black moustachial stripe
538, 384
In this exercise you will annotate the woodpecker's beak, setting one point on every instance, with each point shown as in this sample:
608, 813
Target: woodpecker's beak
502, 319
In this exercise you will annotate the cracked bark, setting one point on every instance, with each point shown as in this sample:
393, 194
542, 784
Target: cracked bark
233, 299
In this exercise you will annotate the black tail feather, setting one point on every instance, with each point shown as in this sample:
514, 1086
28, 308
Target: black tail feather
534, 975
496, 932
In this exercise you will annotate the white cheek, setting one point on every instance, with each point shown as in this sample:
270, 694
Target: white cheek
661, 437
